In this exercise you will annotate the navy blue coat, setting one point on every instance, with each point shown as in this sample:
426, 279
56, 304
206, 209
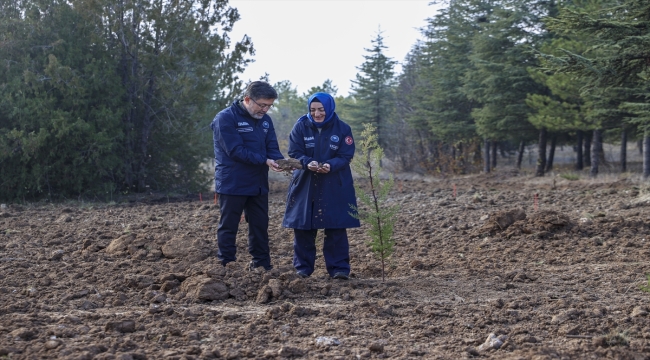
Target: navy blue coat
241, 146
331, 193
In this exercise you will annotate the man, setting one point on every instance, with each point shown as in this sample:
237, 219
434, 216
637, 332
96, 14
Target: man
245, 147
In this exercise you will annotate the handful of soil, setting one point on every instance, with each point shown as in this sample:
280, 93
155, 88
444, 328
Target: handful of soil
289, 164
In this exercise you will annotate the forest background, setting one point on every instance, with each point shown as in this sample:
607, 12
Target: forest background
100, 98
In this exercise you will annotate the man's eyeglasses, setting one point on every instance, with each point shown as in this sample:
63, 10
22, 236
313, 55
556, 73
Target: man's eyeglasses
262, 106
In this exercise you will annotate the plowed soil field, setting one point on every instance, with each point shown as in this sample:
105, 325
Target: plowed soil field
498, 266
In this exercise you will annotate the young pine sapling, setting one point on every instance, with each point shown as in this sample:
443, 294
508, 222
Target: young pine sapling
374, 209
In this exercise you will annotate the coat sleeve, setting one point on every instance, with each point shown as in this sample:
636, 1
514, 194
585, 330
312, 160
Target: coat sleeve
344, 154
297, 145
272, 147
232, 143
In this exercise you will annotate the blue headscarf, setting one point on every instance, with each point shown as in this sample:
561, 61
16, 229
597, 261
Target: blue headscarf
328, 104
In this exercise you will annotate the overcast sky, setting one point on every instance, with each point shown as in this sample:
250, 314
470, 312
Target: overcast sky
310, 41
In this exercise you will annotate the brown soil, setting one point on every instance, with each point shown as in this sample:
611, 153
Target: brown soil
289, 164
490, 268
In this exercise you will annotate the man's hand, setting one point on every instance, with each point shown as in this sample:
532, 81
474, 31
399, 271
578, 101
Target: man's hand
273, 165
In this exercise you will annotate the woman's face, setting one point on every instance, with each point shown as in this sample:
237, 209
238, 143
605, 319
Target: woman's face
317, 111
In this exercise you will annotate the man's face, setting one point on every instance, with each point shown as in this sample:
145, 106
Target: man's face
257, 108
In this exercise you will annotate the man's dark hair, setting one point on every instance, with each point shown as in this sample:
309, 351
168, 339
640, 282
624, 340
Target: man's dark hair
260, 90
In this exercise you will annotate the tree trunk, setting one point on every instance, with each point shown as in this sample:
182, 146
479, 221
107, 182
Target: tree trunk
601, 151
493, 154
147, 127
551, 154
541, 153
520, 155
461, 158
646, 155
486, 156
623, 159
586, 155
595, 156
579, 162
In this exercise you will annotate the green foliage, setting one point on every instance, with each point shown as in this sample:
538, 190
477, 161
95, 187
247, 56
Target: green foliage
374, 210
564, 108
614, 67
570, 177
501, 82
646, 288
98, 96
430, 100
59, 133
435, 74
327, 87
373, 90
288, 108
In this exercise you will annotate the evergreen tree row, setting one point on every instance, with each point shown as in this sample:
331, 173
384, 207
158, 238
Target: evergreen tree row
101, 97
499, 75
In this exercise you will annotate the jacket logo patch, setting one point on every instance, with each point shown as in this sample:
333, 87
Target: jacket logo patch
333, 147
334, 138
265, 124
309, 145
246, 129
243, 123
348, 140
309, 138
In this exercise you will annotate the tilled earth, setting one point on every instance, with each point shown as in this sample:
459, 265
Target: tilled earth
496, 266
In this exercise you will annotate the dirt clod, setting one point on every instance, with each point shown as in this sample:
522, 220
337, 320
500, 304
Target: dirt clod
289, 164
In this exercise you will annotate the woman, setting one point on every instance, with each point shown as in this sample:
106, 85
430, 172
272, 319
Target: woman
321, 194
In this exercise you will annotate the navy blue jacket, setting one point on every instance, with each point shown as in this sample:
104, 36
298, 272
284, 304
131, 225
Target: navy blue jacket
241, 146
331, 194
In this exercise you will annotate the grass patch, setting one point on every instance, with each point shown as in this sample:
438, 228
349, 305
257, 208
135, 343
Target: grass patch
646, 287
570, 177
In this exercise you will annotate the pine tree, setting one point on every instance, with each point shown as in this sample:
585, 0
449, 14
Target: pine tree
60, 132
326, 87
373, 91
177, 73
501, 82
288, 108
431, 100
100, 96
437, 98
374, 209
614, 71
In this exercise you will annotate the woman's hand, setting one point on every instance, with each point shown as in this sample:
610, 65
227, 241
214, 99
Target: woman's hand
319, 168
313, 166
324, 169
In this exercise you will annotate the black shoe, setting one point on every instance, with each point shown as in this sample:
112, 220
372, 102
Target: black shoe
252, 267
340, 276
302, 274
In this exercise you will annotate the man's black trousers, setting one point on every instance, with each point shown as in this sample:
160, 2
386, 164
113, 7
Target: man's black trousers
256, 212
